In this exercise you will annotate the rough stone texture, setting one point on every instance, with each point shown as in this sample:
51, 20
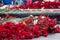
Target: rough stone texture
50, 37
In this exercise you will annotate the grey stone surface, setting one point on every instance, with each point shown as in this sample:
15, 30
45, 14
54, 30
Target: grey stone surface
50, 37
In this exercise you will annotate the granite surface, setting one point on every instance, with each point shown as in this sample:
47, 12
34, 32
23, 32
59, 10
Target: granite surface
50, 37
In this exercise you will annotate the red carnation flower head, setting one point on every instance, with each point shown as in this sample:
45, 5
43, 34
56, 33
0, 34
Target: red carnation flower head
53, 22
10, 23
17, 7
8, 16
4, 32
1, 25
41, 17
45, 34
57, 29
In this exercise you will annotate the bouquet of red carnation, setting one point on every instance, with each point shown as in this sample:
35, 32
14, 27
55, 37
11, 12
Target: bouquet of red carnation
32, 27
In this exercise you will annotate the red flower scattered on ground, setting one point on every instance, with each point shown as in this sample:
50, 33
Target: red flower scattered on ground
27, 29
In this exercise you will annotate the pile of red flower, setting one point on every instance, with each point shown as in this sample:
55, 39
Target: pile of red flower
30, 28
39, 5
